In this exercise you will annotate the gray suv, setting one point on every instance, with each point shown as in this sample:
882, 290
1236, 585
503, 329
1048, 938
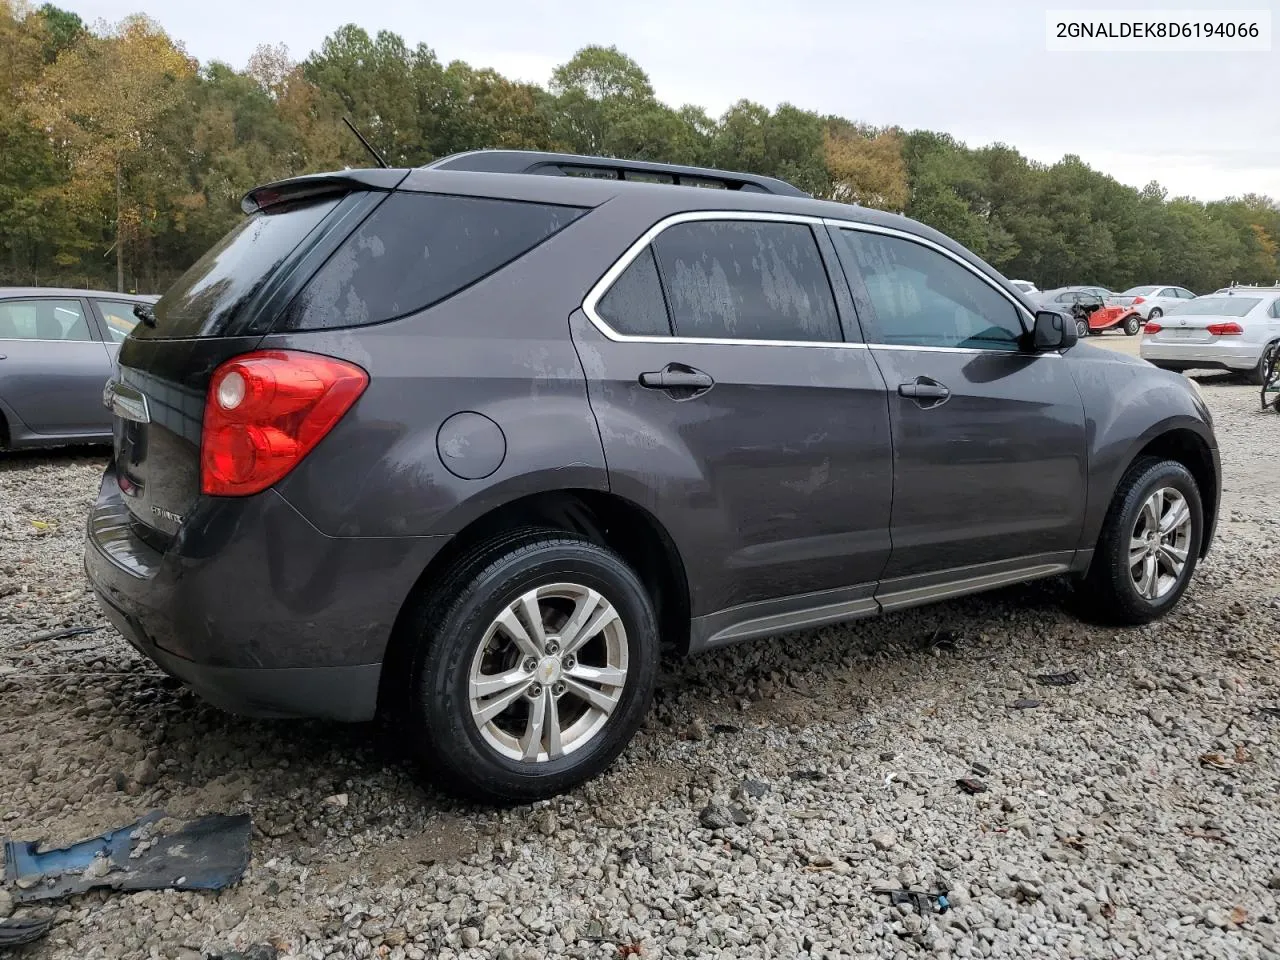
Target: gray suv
471, 442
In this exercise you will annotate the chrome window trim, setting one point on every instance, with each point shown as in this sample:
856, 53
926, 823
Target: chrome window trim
591, 301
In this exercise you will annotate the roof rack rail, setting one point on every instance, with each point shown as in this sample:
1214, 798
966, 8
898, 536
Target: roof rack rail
606, 168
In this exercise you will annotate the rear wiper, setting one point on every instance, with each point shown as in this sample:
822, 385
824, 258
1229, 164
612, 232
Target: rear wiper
144, 313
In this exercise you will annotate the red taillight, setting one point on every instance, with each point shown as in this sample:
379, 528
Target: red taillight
265, 411
1228, 329
1153, 327
1137, 300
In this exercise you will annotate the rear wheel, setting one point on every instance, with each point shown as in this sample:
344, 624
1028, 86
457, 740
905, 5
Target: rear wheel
1264, 369
1155, 314
1132, 325
536, 664
1149, 544
1082, 329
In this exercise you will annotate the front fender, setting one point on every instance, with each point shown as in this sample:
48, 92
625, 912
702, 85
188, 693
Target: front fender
1131, 407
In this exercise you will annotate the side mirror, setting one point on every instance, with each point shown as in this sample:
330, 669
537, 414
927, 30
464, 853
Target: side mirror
1053, 331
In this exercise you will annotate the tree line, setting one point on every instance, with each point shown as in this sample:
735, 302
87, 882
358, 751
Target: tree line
124, 158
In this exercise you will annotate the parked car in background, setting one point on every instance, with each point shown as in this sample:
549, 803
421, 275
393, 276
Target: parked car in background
57, 351
1026, 286
1152, 301
481, 490
1063, 298
1229, 331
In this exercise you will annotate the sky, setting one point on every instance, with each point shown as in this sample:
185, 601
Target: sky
1203, 124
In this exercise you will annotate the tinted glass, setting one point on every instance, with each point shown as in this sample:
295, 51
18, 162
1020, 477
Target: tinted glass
1185, 294
1138, 292
1275, 309
634, 304
926, 299
1216, 307
208, 296
43, 320
743, 280
119, 318
417, 249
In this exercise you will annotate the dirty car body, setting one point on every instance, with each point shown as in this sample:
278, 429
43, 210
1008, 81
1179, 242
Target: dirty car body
553, 441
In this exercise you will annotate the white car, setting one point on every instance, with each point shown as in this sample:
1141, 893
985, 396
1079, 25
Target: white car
1026, 286
1230, 331
1152, 301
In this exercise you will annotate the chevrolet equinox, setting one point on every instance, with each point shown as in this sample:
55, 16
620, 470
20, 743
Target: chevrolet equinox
470, 441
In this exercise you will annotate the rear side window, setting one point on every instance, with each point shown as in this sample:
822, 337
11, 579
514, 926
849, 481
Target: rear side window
634, 304
43, 320
119, 317
747, 280
417, 249
207, 297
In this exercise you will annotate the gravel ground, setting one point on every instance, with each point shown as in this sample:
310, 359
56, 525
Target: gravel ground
776, 784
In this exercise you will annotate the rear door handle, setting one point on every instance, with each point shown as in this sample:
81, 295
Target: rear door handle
925, 392
676, 376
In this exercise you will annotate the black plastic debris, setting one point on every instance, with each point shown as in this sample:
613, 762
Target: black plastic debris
810, 775
1058, 679
971, 785
205, 854
725, 728
17, 932
925, 903
1271, 711
981, 769
940, 639
1027, 704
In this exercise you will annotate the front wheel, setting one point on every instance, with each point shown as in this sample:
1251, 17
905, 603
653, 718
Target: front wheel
1132, 325
1082, 329
1149, 544
536, 665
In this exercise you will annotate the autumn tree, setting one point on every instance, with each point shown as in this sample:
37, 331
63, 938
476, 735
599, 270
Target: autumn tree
866, 167
101, 101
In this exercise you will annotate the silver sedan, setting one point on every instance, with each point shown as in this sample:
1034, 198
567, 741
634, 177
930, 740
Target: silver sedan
1153, 301
57, 350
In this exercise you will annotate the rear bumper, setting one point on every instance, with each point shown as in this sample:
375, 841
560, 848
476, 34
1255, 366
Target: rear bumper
254, 608
1225, 356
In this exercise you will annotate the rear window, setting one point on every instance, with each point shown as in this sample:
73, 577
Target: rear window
1215, 307
208, 297
416, 250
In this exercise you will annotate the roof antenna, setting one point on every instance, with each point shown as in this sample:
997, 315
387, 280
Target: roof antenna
368, 146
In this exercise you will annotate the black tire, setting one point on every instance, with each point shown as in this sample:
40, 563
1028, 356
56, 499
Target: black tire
1258, 375
1155, 314
1132, 325
448, 628
1082, 329
1109, 590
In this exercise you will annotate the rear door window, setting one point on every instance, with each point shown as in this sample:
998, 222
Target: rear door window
747, 280
118, 318
41, 319
209, 296
416, 250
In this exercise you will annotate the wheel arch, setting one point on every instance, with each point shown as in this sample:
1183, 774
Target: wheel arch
603, 518
1189, 448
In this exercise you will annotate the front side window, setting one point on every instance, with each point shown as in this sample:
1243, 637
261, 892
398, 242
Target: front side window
43, 320
746, 280
1275, 308
119, 317
923, 298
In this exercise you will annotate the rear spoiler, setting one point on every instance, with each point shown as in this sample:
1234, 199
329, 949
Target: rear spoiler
319, 184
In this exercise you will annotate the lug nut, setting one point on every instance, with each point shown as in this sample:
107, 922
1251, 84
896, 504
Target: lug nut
535, 691
553, 647
559, 689
530, 665
570, 662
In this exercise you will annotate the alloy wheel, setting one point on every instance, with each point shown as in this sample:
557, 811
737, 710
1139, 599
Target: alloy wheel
548, 672
1159, 543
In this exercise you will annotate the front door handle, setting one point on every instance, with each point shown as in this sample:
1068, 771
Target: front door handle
677, 376
925, 392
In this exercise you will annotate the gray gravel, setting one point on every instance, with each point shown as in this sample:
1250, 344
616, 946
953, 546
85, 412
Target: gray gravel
775, 786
